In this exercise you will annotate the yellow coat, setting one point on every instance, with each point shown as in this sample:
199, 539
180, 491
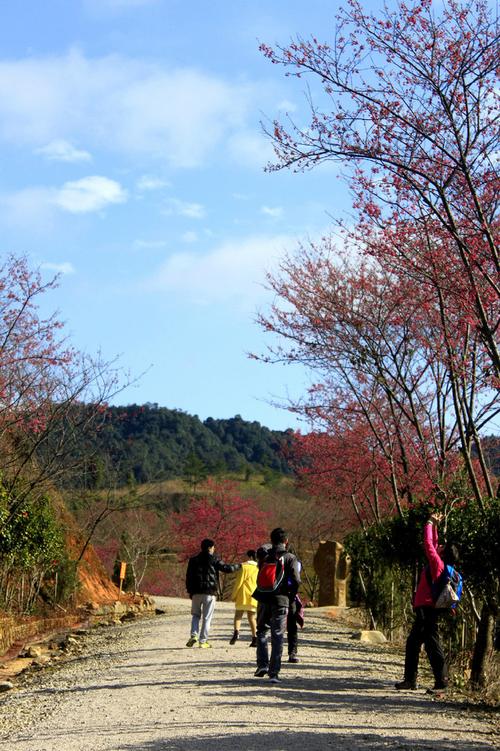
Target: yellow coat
244, 586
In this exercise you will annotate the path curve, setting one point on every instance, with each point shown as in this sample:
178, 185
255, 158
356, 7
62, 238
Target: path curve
138, 688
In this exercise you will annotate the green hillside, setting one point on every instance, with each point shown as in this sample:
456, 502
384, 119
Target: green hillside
148, 443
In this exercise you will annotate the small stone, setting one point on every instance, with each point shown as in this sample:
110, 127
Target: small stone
6, 686
370, 637
42, 660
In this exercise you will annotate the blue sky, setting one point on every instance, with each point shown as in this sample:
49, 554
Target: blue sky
132, 164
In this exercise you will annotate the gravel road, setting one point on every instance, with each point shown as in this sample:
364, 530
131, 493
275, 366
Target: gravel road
136, 687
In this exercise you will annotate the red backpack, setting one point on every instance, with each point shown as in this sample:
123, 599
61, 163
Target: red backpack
271, 574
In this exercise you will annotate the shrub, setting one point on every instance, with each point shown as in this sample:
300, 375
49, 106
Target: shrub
32, 549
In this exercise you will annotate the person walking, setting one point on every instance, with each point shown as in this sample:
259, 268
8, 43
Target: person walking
425, 629
202, 584
244, 586
295, 618
273, 605
294, 621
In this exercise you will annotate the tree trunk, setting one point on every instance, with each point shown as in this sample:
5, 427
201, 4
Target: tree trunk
483, 647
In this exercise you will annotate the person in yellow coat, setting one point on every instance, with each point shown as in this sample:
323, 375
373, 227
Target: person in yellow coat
244, 586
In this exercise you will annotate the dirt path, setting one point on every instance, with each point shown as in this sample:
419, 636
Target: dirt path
138, 688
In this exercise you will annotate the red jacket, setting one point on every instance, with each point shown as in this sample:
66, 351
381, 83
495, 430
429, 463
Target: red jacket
423, 596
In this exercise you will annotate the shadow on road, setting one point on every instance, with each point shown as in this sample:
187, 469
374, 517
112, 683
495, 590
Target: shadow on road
319, 738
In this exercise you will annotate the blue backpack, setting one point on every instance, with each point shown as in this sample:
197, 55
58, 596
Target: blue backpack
446, 591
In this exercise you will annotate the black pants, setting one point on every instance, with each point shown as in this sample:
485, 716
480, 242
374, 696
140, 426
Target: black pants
271, 616
425, 631
292, 631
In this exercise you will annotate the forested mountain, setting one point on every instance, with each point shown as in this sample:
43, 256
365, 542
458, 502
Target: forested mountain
148, 443
151, 443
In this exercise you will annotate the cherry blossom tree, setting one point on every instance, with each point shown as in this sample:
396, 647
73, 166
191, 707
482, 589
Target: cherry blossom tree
408, 98
236, 524
374, 342
50, 394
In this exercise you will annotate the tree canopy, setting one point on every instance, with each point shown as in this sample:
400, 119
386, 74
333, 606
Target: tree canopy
147, 443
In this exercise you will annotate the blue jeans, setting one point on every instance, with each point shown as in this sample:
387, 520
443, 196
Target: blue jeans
271, 616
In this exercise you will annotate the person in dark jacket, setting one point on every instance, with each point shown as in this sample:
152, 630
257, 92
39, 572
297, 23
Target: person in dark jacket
425, 629
273, 608
202, 584
294, 619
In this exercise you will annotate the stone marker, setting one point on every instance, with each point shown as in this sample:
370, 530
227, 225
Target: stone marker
332, 567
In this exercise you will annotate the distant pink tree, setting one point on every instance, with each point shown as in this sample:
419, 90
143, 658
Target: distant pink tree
236, 524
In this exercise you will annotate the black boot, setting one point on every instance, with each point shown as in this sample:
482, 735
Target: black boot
253, 643
234, 637
406, 685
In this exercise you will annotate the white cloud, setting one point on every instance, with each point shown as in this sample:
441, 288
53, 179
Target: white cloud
59, 268
189, 237
184, 208
150, 182
34, 207
251, 149
274, 211
231, 272
150, 244
89, 194
60, 150
120, 104
286, 106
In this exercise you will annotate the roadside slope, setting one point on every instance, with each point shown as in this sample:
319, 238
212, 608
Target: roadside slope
138, 688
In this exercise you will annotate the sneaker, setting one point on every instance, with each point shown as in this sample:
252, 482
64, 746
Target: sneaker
234, 637
275, 679
253, 643
405, 686
293, 658
205, 645
192, 641
260, 672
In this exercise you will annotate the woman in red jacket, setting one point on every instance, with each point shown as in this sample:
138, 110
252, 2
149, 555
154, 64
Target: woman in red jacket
425, 627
